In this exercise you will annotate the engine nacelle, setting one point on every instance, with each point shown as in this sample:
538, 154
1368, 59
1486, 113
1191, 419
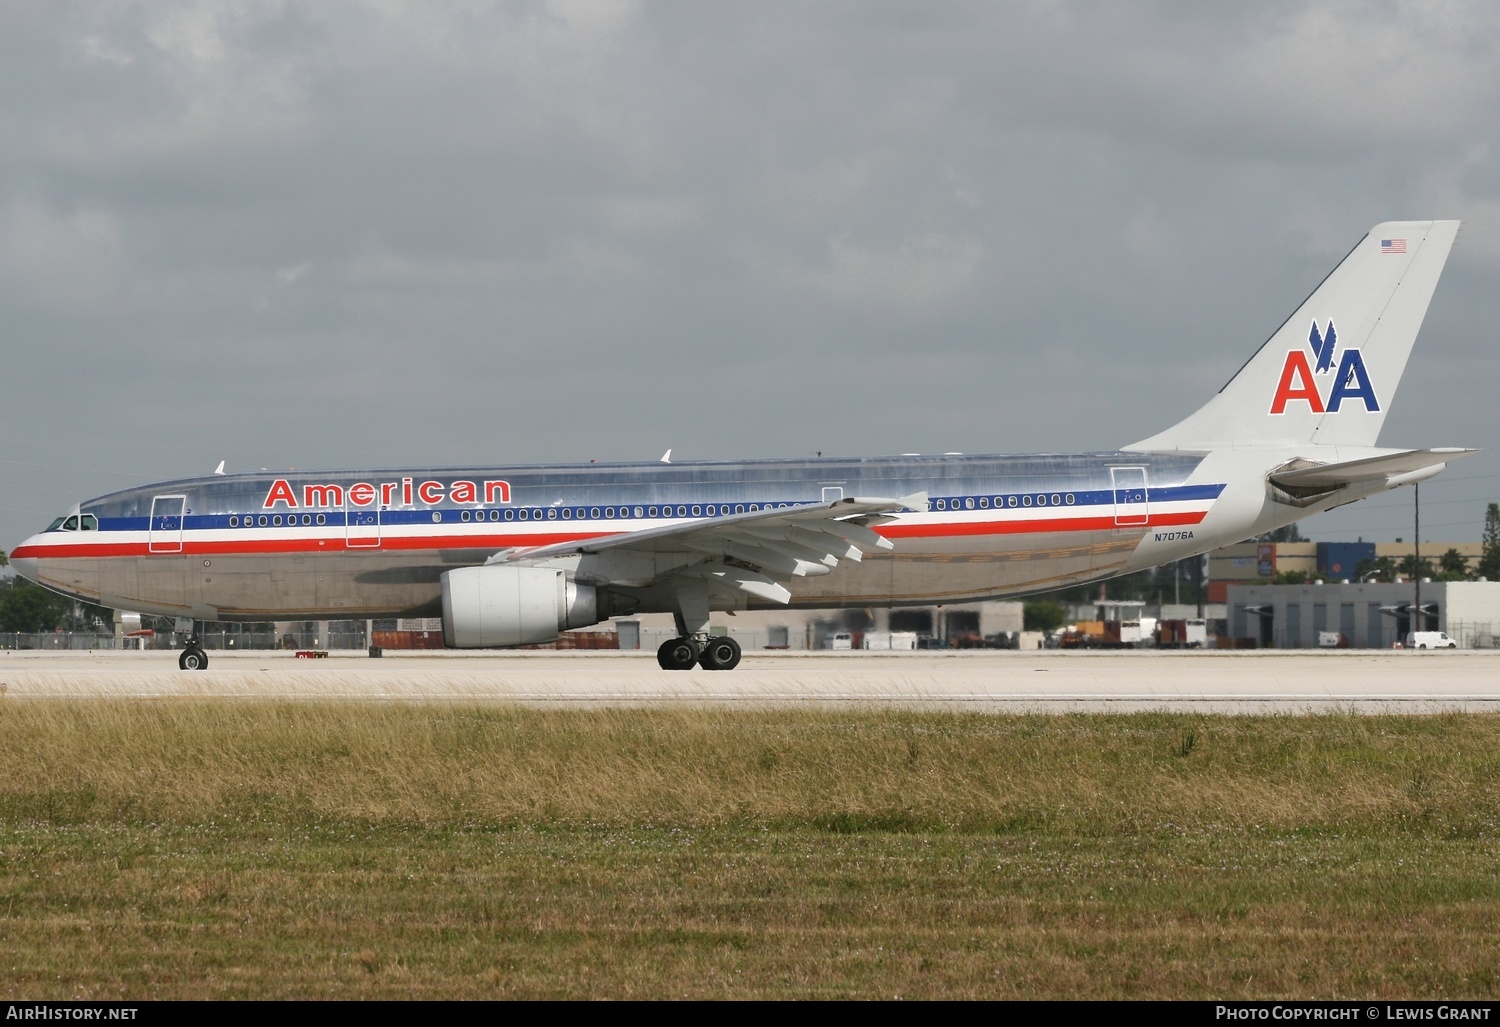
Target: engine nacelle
498, 605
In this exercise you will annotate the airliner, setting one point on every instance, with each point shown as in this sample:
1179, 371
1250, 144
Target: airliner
515, 555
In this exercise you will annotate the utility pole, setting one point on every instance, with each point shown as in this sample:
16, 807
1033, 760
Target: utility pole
1418, 623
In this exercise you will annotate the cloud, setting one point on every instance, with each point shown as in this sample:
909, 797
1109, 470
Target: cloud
53, 260
914, 272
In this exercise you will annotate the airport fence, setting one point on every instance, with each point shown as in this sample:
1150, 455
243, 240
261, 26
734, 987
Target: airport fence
215, 637
61, 641
1474, 634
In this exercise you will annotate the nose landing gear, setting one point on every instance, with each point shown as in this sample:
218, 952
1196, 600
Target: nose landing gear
193, 657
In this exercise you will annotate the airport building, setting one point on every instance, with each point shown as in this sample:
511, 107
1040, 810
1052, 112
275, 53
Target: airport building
959, 625
1362, 615
1247, 562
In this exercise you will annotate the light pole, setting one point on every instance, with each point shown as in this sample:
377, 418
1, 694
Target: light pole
1417, 623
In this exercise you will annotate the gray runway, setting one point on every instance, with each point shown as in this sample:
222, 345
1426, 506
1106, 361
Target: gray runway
1044, 681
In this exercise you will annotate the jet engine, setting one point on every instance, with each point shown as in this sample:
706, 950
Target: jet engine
498, 605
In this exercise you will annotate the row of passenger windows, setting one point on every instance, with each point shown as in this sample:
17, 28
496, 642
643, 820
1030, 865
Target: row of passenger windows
985, 502
568, 513
609, 513
550, 513
275, 519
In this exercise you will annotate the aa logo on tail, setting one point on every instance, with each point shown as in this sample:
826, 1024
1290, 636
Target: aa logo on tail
1303, 381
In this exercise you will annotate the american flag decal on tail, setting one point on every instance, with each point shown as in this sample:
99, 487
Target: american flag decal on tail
1393, 246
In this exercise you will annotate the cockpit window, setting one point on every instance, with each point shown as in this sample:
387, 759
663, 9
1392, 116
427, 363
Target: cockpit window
55, 524
71, 524
89, 523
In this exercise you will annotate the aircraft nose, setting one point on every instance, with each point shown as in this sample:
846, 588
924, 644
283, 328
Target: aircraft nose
25, 566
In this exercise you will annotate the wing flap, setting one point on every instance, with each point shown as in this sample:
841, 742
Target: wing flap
748, 551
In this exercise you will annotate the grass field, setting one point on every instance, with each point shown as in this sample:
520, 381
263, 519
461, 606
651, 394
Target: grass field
222, 849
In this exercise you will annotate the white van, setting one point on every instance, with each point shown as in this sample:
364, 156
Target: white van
1429, 640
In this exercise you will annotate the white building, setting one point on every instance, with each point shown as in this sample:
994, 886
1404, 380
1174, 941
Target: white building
1368, 616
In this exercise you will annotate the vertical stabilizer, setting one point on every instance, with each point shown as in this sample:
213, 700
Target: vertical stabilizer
1329, 373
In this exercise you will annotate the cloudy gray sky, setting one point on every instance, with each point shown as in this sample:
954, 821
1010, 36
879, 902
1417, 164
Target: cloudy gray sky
338, 234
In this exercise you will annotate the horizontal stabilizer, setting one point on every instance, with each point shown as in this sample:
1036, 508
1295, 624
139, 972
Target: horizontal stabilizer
1372, 468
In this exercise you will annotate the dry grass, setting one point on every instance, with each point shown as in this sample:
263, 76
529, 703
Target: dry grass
261, 850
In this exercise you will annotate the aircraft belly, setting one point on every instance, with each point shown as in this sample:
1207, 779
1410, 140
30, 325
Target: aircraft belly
335, 586
949, 569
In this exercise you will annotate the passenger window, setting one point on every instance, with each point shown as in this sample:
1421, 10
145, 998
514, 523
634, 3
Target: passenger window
968, 504
984, 502
307, 518
464, 516
276, 520
940, 504
697, 511
1070, 499
552, 513
652, 511
322, 519
1056, 499
1025, 500
234, 522
1011, 501
263, 520
1041, 500
682, 511
639, 512
739, 508
510, 515
567, 513
594, 513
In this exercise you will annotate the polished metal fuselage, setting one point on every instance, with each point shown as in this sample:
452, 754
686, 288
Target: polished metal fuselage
347, 544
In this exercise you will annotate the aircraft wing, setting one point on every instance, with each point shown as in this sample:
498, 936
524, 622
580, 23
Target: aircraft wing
751, 552
1349, 472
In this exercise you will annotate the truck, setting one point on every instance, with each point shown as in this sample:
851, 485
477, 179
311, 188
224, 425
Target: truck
1430, 640
1182, 633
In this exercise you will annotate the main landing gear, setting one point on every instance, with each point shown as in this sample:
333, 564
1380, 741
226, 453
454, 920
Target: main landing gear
712, 653
193, 657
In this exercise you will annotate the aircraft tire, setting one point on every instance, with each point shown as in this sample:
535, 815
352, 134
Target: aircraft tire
721, 653
193, 659
677, 654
